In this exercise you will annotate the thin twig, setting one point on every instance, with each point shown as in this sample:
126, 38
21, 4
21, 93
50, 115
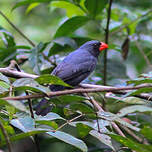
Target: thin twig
132, 134
143, 54
25, 37
17, 29
95, 108
131, 22
47, 58
106, 40
68, 121
32, 116
6, 137
118, 130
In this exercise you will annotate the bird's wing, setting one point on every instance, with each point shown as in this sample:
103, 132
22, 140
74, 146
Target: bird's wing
67, 71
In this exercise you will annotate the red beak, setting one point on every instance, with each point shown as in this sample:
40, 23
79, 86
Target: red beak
103, 46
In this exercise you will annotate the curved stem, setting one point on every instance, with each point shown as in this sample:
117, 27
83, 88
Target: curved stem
6, 137
18, 30
106, 41
78, 90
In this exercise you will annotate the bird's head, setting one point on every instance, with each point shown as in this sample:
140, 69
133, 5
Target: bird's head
94, 47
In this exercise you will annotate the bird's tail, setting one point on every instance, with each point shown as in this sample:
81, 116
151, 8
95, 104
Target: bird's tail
43, 108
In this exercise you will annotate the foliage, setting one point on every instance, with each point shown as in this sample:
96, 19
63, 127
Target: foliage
62, 26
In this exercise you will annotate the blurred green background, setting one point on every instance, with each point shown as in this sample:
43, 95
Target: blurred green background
129, 53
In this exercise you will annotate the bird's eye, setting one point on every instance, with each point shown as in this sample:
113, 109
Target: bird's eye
95, 44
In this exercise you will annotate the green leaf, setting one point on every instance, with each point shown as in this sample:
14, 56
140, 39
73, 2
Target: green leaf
138, 81
3, 102
11, 52
66, 41
23, 135
17, 104
35, 57
6, 53
71, 98
57, 48
135, 108
132, 28
4, 87
113, 117
11, 111
131, 144
83, 130
69, 139
133, 100
66, 44
147, 132
52, 124
24, 84
31, 6
27, 2
94, 125
102, 137
25, 124
71, 9
51, 79
95, 7
50, 116
81, 107
4, 78
81, 40
71, 25
8, 128
8, 37
62, 44
142, 90
16, 47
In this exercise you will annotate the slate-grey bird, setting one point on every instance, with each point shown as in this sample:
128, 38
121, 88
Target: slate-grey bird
76, 67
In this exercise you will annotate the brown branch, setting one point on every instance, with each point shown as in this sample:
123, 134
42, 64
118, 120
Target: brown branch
123, 92
79, 90
106, 41
6, 137
15, 74
118, 130
18, 30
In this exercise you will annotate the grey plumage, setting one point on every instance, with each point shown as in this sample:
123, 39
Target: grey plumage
76, 67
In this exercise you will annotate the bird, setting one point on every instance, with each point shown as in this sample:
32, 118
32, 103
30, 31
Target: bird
75, 68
